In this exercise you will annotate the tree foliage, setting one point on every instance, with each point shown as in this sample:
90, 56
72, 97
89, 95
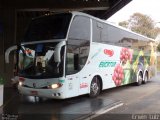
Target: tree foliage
142, 24
124, 24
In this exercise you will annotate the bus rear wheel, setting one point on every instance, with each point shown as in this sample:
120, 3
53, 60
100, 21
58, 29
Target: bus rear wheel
140, 79
95, 87
145, 78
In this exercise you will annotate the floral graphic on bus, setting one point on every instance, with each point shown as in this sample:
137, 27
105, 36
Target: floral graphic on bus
118, 75
130, 62
125, 55
122, 72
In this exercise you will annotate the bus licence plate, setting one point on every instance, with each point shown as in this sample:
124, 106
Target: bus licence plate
34, 92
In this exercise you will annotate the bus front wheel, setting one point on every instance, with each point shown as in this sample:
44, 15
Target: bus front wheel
95, 87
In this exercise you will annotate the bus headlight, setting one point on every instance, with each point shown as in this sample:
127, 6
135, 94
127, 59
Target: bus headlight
54, 86
20, 83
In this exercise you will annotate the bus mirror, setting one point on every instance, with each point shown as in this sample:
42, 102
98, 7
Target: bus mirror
57, 53
8, 52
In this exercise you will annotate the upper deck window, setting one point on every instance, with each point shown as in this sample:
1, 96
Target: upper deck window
48, 27
80, 29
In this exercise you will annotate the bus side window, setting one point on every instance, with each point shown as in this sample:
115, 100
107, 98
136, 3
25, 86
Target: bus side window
70, 61
80, 29
76, 62
97, 31
78, 44
72, 65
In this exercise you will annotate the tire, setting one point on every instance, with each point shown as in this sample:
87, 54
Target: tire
145, 78
140, 79
95, 87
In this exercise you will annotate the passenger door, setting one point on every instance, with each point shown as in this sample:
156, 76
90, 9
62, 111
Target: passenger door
78, 45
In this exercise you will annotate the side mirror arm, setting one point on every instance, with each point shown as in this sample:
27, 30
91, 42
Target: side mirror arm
57, 53
8, 51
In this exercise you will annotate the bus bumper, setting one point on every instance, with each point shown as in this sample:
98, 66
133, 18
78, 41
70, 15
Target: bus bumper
47, 93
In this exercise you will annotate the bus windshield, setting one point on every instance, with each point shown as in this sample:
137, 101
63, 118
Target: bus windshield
37, 61
48, 27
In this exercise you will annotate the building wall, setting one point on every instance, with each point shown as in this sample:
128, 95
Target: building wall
13, 25
7, 39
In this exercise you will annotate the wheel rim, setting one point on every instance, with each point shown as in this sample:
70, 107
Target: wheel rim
94, 87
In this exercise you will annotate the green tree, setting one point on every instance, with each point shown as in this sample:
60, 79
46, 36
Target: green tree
142, 24
124, 24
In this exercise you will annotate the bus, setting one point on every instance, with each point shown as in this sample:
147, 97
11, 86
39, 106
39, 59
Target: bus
64, 55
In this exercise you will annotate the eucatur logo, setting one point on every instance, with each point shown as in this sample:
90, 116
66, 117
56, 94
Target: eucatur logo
108, 52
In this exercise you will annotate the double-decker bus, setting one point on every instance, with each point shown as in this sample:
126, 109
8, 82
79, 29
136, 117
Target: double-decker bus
70, 54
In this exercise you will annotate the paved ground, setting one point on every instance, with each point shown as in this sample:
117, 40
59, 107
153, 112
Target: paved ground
140, 102
143, 100
30, 108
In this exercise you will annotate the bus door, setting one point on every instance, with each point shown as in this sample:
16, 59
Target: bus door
72, 77
77, 78
78, 45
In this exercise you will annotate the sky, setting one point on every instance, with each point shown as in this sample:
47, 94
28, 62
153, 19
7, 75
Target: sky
147, 7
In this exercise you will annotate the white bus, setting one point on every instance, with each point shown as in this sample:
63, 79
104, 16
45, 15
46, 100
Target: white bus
70, 54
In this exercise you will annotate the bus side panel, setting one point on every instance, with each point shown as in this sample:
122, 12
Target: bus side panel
104, 59
116, 65
72, 85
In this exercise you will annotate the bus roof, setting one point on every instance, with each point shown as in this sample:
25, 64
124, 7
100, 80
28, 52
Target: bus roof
104, 21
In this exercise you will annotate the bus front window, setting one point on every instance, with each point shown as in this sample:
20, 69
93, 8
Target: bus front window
37, 61
48, 27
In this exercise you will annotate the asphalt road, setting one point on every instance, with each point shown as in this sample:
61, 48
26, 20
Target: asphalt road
140, 102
